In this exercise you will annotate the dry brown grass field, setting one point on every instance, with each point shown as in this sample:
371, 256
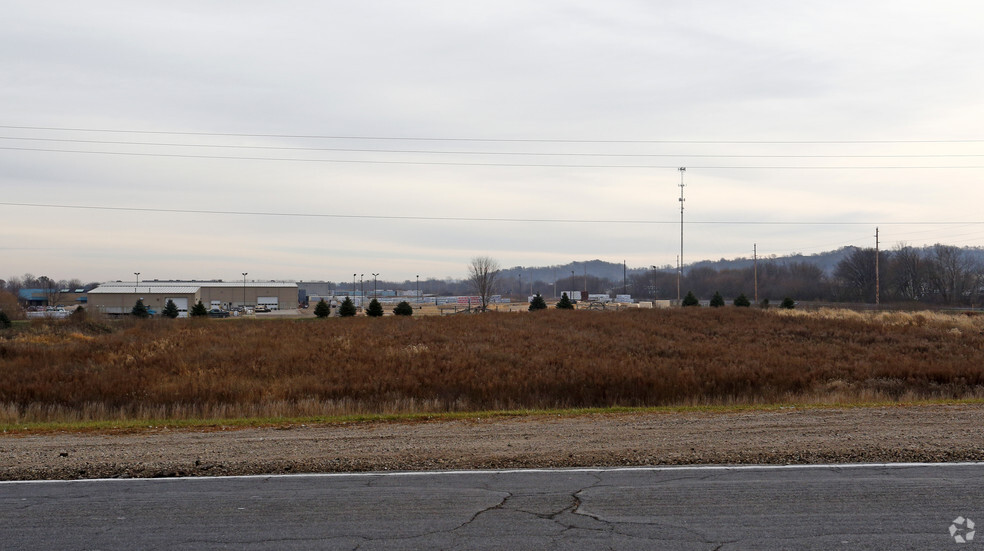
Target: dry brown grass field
203, 369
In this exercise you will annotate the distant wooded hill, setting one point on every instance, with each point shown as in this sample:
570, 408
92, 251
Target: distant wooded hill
938, 274
827, 262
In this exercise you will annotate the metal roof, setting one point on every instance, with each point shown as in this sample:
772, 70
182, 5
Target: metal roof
198, 284
145, 289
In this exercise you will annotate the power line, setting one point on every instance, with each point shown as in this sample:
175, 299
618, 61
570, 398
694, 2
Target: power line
457, 163
486, 219
488, 140
496, 153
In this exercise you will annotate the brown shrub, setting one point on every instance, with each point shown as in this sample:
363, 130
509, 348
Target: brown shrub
198, 368
10, 306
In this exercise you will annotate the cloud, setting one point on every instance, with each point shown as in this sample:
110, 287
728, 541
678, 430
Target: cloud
611, 73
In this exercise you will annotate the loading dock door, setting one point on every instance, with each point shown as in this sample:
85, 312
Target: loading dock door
270, 302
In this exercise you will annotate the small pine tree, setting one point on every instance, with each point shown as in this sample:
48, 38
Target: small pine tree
170, 309
4, 320
764, 304
537, 303
565, 303
139, 310
347, 309
403, 309
199, 310
322, 310
717, 300
787, 303
375, 309
690, 299
742, 301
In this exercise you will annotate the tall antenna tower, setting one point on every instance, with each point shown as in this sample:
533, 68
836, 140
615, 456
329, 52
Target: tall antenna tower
680, 263
877, 278
755, 269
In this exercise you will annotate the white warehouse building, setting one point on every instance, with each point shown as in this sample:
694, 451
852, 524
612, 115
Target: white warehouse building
118, 297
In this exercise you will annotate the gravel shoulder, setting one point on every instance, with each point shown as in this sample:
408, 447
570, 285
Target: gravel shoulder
925, 433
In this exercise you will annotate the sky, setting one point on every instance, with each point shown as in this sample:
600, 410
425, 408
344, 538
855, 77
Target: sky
309, 140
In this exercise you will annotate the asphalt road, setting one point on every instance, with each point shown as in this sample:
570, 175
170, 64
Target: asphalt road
901, 506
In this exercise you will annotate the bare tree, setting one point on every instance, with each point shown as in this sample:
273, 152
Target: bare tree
482, 274
856, 273
908, 273
952, 273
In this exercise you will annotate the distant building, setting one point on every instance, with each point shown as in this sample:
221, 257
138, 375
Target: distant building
51, 297
119, 297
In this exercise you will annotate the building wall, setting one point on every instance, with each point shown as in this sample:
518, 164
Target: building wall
115, 299
122, 303
231, 297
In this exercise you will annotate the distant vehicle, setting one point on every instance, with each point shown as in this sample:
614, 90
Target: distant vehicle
261, 309
49, 313
216, 313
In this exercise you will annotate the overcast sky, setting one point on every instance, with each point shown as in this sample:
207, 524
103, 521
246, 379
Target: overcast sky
554, 133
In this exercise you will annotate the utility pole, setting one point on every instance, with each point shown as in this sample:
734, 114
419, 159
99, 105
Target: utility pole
877, 278
682, 169
625, 286
755, 270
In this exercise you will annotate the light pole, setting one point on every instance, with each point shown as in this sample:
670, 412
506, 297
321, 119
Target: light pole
573, 283
353, 286
47, 297
520, 275
418, 288
137, 284
244, 292
362, 290
654, 282
374, 295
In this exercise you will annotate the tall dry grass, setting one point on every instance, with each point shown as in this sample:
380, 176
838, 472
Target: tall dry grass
551, 359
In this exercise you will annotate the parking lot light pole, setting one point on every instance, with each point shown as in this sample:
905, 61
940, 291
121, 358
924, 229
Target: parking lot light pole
418, 288
47, 294
374, 295
654, 282
137, 284
244, 292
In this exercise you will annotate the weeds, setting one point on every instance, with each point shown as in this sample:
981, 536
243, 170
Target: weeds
195, 369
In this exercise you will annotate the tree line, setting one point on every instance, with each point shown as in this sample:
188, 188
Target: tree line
936, 275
